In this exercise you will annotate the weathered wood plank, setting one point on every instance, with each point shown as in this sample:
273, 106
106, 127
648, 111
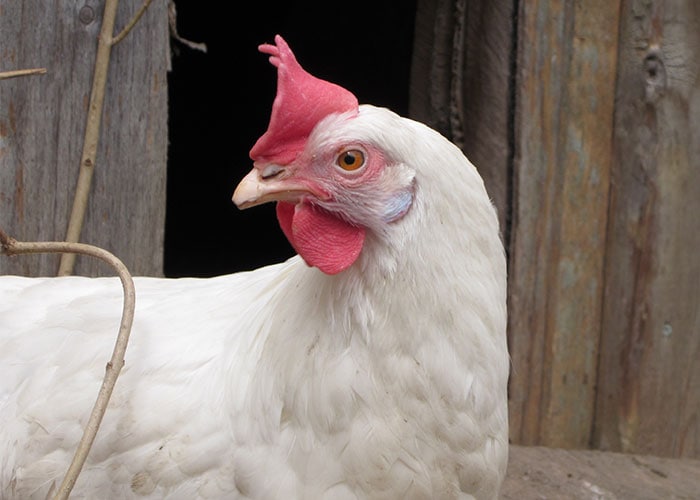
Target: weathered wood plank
537, 473
649, 382
460, 83
42, 121
563, 144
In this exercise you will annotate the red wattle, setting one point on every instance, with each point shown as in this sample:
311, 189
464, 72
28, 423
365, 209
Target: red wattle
322, 239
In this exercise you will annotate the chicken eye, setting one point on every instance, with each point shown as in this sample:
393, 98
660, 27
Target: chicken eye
351, 159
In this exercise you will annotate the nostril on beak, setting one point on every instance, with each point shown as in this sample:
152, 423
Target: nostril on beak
271, 171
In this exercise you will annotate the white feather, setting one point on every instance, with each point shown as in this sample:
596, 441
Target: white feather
385, 381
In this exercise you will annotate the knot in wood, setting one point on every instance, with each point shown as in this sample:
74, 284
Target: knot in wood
655, 75
86, 14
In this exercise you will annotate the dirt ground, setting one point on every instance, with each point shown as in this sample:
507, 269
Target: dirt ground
545, 473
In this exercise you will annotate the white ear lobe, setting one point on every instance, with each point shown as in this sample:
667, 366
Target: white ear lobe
398, 205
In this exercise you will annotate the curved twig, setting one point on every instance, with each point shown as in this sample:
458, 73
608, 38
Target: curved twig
131, 23
10, 246
172, 21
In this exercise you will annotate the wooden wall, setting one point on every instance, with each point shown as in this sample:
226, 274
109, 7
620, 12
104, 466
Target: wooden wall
648, 397
42, 123
583, 120
564, 91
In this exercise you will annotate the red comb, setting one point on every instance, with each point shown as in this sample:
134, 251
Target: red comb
302, 101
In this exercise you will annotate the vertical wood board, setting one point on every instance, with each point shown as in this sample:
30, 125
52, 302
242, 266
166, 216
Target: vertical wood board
649, 377
42, 124
563, 144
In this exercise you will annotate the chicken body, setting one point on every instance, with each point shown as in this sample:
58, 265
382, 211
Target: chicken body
386, 380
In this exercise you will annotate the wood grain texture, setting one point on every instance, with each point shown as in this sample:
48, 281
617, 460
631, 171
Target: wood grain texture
563, 145
461, 83
649, 382
42, 121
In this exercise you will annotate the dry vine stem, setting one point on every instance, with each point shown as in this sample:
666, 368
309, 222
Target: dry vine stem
92, 127
22, 72
10, 246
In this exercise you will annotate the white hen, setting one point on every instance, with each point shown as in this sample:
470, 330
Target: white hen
372, 366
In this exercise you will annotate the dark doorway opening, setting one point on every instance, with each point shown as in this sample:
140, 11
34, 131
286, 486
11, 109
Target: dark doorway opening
220, 104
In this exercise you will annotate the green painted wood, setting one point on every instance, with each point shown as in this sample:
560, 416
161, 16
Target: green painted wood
565, 86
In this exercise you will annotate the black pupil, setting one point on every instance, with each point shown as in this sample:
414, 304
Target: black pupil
349, 159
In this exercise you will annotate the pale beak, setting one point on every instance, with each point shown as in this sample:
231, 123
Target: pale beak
254, 190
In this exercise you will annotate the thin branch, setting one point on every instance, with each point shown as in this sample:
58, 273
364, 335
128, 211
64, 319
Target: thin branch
131, 23
92, 135
172, 21
21, 72
10, 246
